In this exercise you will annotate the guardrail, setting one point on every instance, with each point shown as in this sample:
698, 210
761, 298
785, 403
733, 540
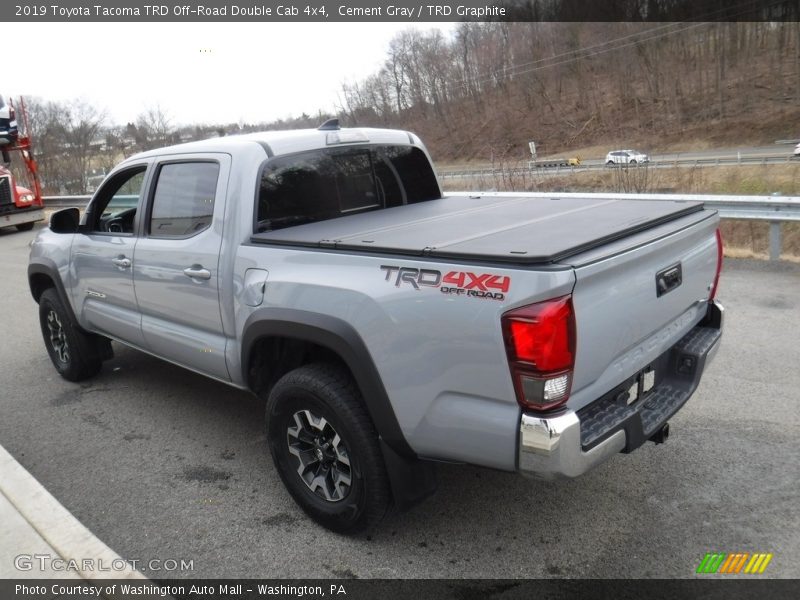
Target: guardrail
773, 209
66, 201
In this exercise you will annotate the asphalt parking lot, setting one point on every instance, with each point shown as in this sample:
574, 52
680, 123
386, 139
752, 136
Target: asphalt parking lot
161, 463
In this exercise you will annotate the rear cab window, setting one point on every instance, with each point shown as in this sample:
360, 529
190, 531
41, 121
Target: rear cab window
328, 183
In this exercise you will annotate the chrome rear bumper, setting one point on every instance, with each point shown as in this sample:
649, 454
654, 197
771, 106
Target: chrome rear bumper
552, 447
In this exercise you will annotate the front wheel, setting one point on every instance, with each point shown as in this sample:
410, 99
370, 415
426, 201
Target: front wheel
326, 450
73, 352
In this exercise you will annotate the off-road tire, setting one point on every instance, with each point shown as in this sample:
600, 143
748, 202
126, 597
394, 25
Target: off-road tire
73, 352
296, 407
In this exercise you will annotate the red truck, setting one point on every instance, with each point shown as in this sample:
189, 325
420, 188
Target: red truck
20, 206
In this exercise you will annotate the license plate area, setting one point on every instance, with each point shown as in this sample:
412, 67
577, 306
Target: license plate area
641, 385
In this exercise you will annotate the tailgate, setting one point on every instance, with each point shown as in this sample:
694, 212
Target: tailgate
623, 322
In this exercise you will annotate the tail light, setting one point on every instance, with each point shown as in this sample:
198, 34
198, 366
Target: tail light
540, 344
719, 266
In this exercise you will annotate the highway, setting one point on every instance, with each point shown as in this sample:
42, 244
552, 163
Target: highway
162, 463
763, 155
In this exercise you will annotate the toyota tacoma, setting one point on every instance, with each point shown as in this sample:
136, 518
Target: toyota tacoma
388, 326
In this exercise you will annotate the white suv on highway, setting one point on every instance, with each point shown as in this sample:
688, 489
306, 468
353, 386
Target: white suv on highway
626, 157
796, 151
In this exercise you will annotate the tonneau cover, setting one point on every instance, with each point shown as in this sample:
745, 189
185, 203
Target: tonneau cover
522, 230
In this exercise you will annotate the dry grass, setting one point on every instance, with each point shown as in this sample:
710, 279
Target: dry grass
750, 239
783, 179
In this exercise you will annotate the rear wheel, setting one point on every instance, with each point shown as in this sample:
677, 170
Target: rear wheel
326, 450
25, 226
73, 352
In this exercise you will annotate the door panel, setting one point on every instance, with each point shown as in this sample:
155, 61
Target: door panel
102, 258
176, 263
104, 294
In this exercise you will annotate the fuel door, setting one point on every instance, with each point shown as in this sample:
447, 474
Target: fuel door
255, 282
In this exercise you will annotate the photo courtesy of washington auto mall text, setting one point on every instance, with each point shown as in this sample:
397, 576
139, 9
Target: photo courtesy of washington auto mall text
177, 590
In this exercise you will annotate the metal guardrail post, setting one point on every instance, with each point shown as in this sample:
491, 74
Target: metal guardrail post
774, 240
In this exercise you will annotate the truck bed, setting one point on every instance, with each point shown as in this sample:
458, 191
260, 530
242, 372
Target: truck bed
521, 230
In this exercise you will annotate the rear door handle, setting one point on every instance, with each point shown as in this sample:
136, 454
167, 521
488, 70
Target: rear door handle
197, 272
121, 261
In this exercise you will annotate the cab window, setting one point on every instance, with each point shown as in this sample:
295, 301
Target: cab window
325, 184
114, 206
183, 200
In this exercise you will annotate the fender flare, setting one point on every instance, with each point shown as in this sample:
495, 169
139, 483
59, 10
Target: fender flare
47, 267
340, 337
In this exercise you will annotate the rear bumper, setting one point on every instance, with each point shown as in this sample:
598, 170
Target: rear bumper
571, 443
24, 215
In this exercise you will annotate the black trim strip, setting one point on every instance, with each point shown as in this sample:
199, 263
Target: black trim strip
267, 149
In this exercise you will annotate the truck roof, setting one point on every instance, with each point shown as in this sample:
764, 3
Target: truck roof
290, 141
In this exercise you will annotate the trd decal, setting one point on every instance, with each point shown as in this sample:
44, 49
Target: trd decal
459, 283
415, 277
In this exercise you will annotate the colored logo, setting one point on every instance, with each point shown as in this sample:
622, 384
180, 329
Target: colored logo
735, 563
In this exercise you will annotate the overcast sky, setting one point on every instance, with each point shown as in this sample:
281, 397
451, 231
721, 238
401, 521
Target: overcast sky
198, 73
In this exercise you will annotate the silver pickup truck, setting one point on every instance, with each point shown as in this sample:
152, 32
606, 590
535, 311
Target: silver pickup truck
386, 325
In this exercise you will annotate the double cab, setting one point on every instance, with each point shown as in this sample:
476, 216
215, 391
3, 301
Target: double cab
386, 325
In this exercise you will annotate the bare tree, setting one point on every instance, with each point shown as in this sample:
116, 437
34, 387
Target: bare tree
82, 129
153, 128
67, 137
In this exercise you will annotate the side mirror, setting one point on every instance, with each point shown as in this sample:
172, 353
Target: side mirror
66, 220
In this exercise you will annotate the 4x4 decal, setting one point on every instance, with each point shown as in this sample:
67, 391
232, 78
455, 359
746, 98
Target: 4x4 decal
460, 283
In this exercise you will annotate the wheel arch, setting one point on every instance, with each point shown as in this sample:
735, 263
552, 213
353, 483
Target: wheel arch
411, 479
43, 274
342, 341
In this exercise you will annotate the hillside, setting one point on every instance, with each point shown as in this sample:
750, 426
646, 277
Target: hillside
485, 91
492, 87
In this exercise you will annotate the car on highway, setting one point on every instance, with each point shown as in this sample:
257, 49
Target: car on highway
8, 123
626, 157
796, 153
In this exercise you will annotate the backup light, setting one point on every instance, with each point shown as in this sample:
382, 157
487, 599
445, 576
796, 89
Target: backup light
556, 388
